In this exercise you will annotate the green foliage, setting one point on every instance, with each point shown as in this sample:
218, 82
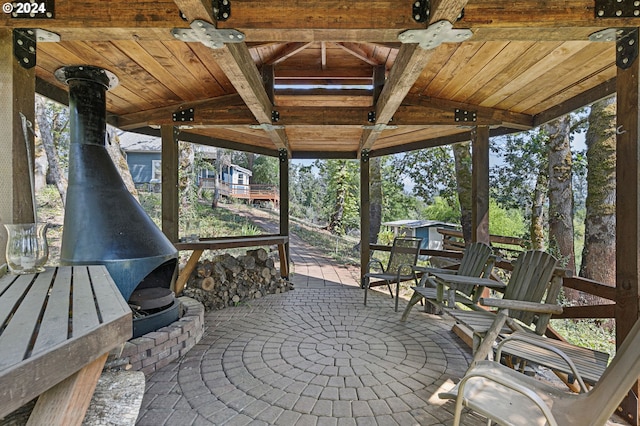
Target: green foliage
266, 170
523, 157
396, 203
431, 170
588, 333
306, 193
443, 210
342, 199
507, 222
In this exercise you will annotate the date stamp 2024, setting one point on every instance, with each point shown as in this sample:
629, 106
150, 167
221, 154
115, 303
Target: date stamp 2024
29, 9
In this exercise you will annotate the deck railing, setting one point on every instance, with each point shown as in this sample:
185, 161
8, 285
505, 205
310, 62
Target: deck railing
253, 192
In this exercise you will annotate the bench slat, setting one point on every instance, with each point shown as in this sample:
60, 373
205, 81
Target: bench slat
85, 316
55, 322
109, 305
13, 341
11, 296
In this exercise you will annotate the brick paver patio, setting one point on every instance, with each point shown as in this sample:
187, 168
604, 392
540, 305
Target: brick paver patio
312, 356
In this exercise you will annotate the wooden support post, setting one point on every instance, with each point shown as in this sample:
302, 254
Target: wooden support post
67, 402
480, 185
365, 219
17, 91
269, 81
628, 216
284, 203
170, 196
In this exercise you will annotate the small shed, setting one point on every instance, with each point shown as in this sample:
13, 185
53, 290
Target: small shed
425, 229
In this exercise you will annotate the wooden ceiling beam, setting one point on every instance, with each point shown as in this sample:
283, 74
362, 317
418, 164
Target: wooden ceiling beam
485, 116
210, 108
196, 9
235, 61
408, 66
234, 114
601, 91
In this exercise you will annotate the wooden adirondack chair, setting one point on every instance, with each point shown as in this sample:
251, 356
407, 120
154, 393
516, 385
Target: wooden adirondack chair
404, 256
531, 280
511, 398
477, 261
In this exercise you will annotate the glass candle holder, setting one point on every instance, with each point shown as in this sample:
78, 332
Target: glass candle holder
27, 247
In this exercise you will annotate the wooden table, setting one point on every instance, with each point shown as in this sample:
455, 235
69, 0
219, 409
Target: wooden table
57, 328
200, 246
452, 281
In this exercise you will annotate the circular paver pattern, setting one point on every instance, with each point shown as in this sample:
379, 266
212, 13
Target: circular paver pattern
316, 357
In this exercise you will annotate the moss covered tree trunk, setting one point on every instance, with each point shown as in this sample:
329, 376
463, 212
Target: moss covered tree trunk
462, 156
375, 199
561, 195
537, 211
599, 252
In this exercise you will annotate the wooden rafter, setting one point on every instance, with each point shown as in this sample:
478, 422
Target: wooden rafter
196, 9
287, 51
236, 62
356, 50
410, 62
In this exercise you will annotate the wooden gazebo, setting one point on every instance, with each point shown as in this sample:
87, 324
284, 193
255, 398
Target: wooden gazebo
329, 79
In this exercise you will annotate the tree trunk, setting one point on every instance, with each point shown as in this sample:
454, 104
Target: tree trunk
186, 159
46, 136
537, 211
462, 156
599, 253
115, 152
375, 199
561, 195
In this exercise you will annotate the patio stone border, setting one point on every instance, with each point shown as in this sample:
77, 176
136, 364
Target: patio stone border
154, 350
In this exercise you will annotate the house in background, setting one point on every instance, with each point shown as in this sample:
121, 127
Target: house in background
143, 154
425, 229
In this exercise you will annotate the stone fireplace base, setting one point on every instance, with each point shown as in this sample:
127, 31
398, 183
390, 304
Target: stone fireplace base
154, 350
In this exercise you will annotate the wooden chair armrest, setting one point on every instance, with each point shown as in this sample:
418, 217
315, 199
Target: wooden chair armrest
544, 308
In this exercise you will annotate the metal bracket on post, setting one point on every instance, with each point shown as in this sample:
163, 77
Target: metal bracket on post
283, 155
275, 116
461, 115
371, 116
208, 34
421, 10
434, 35
617, 9
185, 115
627, 47
24, 46
222, 9
380, 127
364, 155
626, 43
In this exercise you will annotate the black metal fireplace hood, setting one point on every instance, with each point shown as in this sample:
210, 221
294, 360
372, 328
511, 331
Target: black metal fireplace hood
104, 223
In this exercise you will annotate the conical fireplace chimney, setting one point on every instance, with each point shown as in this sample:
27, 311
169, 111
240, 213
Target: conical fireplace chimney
103, 223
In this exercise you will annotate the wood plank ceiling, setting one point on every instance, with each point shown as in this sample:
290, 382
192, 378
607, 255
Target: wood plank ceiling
327, 66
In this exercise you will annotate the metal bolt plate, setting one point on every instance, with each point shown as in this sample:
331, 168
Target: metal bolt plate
421, 10
463, 116
24, 46
617, 8
436, 34
222, 9
371, 116
207, 34
275, 116
627, 47
184, 115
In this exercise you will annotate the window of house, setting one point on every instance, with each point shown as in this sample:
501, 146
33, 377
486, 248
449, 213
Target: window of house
156, 170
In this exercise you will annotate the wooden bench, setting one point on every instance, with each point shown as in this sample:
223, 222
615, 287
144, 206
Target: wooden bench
56, 330
201, 245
